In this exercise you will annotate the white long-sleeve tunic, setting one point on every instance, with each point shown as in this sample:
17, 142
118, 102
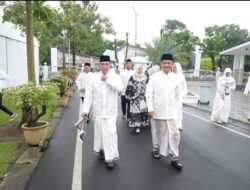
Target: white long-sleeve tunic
4, 80
83, 80
162, 94
102, 95
125, 76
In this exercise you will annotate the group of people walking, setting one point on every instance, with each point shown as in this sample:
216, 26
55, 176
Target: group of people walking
147, 101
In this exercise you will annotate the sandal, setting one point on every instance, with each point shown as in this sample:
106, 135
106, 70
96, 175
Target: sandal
155, 154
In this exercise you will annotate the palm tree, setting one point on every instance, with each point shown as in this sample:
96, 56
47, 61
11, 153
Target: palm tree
161, 46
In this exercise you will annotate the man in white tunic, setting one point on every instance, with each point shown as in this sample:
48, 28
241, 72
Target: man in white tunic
102, 96
183, 91
222, 101
162, 94
83, 79
125, 76
247, 93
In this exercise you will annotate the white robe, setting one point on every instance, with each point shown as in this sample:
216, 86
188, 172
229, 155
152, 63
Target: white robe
183, 92
102, 96
221, 108
247, 92
162, 94
82, 81
125, 76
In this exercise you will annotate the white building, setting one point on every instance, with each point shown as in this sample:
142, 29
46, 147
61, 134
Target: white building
13, 56
239, 53
137, 55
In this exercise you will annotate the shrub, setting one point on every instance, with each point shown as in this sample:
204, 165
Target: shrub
206, 64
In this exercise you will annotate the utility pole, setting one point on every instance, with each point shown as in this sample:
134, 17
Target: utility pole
135, 28
69, 53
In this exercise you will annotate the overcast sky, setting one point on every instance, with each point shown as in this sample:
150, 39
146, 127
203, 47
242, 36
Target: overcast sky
153, 14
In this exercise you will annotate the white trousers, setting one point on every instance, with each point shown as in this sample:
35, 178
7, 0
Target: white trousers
179, 114
105, 137
165, 137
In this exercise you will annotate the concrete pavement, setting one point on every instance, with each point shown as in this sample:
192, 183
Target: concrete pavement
240, 104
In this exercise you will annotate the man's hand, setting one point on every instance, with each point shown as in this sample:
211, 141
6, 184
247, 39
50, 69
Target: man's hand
82, 89
151, 114
84, 114
222, 97
104, 77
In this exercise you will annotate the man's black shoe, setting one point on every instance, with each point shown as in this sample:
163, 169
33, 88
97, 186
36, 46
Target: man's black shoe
155, 154
177, 164
110, 165
101, 155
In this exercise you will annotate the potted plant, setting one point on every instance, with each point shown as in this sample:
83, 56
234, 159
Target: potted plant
33, 101
61, 82
71, 74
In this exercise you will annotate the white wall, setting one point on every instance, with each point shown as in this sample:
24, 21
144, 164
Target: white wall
13, 57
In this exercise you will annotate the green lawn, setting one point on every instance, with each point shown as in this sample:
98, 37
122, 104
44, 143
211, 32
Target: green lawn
4, 118
8, 153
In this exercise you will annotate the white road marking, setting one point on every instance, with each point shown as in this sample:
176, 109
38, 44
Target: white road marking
237, 132
77, 171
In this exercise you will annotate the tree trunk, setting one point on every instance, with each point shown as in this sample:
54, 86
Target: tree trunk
219, 63
30, 43
213, 61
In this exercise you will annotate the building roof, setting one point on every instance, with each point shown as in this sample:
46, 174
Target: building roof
242, 48
130, 46
140, 59
111, 54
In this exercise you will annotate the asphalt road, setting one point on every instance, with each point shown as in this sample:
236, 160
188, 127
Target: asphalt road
213, 157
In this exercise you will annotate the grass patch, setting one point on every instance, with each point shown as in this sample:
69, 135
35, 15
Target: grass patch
8, 153
4, 118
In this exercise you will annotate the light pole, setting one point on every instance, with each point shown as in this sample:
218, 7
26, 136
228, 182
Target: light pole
135, 28
69, 52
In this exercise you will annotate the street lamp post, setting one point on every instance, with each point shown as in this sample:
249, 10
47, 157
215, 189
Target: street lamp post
69, 53
135, 28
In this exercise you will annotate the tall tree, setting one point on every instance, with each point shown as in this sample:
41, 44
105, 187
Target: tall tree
219, 38
182, 37
43, 28
83, 25
30, 43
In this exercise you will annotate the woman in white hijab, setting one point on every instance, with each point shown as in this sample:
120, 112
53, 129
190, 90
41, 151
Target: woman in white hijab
135, 92
177, 69
222, 102
247, 93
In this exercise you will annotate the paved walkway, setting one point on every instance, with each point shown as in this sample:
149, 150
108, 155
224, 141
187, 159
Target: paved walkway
214, 157
240, 104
